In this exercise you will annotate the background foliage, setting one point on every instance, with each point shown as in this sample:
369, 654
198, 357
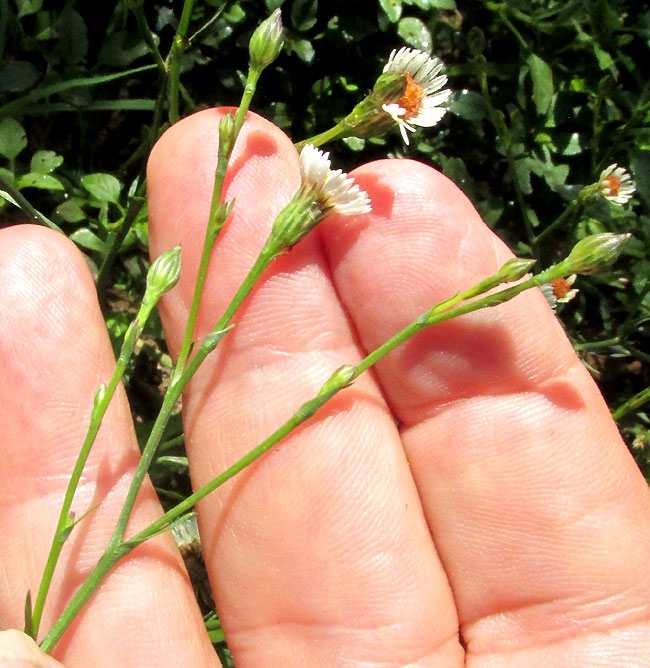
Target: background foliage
547, 94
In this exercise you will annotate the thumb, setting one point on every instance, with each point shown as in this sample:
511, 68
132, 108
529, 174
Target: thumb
18, 650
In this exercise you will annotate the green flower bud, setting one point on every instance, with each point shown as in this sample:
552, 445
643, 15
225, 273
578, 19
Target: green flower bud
595, 252
341, 378
163, 273
368, 118
514, 269
226, 134
266, 42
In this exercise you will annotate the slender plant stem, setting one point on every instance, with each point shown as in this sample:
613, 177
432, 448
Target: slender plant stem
148, 37
628, 323
504, 134
137, 202
562, 218
632, 404
103, 398
174, 60
24, 204
216, 219
333, 133
64, 524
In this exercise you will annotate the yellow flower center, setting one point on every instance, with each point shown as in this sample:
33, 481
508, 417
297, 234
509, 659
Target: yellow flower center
561, 287
613, 184
412, 97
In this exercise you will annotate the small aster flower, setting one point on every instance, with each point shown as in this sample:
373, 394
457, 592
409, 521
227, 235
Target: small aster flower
616, 185
559, 290
337, 191
419, 104
323, 191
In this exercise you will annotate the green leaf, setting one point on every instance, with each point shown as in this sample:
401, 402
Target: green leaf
415, 33
8, 198
87, 239
12, 138
470, 106
73, 36
121, 49
36, 180
392, 9
27, 7
303, 14
302, 48
542, 77
70, 211
103, 187
44, 162
29, 618
522, 172
17, 75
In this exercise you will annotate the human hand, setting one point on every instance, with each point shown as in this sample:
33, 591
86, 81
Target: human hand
473, 481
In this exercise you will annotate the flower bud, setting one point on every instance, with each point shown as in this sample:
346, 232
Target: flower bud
164, 273
266, 42
514, 269
595, 252
226, 134
368, 118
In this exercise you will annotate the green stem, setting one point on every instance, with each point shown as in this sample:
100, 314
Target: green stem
595, 345
562, 218
174, 60
102, 401
335, 132
23, 203
216, 219
504, 134
148, 36
628, 323
115, 548
632, 404
443, 311
137, 202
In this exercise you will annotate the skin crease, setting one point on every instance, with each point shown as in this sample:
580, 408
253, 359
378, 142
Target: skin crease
473, 480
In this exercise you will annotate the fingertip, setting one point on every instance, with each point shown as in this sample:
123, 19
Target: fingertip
182, 164
262, 176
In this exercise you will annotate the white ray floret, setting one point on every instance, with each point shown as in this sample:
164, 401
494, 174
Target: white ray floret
616, 184
420, 105
337, 190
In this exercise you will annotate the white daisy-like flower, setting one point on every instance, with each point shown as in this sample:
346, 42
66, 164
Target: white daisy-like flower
559, 290
336, 189
616, 185
420, 102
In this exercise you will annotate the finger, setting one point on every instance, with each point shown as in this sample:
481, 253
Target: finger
318, 554
537, 509
54, 352
19, 651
